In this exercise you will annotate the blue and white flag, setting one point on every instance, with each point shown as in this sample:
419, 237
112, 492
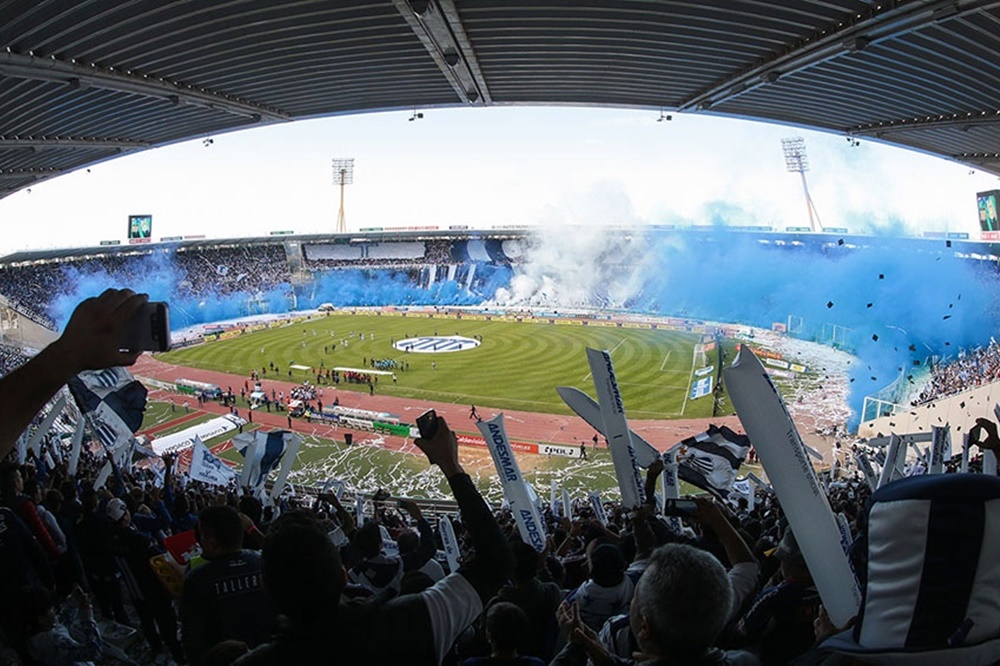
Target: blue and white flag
515, 489
208, 468
711, 459
262, 452
112, 401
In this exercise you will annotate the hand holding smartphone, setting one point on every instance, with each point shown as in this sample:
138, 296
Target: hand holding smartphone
680, 507
148, 329
427, 424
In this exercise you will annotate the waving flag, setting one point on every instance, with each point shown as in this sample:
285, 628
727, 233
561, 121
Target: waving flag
208, 468
112, 401
262, 452
711, 459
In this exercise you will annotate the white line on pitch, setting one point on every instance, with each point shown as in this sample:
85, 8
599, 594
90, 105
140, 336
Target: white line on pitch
669, 351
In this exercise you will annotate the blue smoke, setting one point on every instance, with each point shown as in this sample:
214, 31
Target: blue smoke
158, 276
894, 304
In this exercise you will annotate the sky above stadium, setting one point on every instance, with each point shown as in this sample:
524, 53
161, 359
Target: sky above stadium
496, 167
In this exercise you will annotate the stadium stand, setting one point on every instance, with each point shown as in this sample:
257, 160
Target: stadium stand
727, 584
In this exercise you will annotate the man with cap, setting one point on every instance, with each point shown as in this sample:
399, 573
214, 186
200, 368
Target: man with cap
132, 551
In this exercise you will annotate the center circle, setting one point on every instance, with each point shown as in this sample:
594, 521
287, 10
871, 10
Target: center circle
436, 344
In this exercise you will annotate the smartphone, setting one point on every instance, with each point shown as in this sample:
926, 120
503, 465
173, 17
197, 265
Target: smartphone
148, 329
427, 424
679, 507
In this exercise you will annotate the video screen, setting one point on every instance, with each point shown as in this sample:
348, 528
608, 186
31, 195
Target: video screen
140, 226
988, 204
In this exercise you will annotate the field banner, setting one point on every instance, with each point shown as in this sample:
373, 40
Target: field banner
479, 442
765, 417
184, 439
616, 429
701, 388
559, 450
703, 372
515, 489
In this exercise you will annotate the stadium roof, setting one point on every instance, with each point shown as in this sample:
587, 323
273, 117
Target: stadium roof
85, 81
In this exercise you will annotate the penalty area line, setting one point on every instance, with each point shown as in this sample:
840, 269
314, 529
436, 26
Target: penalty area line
662, 365
612, 351
687, 392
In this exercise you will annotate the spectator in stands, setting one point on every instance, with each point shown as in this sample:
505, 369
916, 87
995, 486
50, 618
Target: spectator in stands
538, 599
506, 623
23, 568
12, 485
376, 571
303, 575
417, 549
223, 599
154, 606
608, 591
779, 624
679, 609
51, 642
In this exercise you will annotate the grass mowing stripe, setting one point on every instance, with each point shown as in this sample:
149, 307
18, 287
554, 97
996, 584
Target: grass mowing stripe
517, 366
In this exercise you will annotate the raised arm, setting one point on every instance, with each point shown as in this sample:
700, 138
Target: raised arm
90, 342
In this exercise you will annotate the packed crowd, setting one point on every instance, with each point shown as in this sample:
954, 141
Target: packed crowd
303, 580
199, 272
245, 268
969, 370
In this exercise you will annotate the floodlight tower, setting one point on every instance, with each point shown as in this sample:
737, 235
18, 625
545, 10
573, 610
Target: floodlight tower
343, 174
796, 161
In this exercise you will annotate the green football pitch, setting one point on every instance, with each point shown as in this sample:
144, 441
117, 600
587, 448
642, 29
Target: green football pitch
517, 366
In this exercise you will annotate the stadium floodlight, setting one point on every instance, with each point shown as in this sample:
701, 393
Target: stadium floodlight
797, 162
343, 174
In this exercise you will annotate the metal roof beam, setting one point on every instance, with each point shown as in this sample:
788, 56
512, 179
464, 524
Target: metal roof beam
80, 75
437, 25
964, 121
33, 174
42, 143
884, 21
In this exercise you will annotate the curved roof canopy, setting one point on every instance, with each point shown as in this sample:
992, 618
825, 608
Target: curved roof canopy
85, 81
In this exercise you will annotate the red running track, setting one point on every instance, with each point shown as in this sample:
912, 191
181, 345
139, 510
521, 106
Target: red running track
524, 426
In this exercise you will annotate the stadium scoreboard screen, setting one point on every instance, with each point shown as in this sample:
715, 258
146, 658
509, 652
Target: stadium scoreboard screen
988, 202
140, 228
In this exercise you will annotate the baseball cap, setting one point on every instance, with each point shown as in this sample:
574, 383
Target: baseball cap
115, 509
